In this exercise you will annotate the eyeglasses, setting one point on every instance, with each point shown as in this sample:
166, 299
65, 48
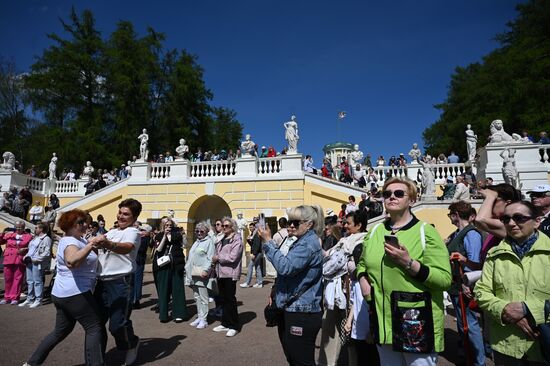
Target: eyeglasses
398, 193
539, 194
295, 223
199, 231
518, 219
218, 224
226, 226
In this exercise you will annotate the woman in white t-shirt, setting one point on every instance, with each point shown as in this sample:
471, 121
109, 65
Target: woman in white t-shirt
72, 291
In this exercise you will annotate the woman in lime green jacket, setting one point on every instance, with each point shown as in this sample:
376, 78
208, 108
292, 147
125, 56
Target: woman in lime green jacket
515, 285
406, 265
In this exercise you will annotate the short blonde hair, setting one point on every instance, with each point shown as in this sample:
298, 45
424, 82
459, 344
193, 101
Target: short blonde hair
309, 213
412, 191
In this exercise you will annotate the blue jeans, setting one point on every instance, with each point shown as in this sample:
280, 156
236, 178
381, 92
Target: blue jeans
138, 282
35, 284
474, 331
256, 263
114, 298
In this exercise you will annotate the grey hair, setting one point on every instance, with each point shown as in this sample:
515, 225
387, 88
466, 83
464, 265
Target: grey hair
309, 213
203, 225
20, 222
234, 225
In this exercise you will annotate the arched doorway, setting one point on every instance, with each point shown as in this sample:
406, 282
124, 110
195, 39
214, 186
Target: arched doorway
205, 208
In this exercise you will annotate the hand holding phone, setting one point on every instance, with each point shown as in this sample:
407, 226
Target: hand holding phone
392, 240
261, 221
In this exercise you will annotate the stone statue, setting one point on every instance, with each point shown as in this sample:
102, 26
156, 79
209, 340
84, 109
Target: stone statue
143, 141
88, 171
356, 155
509, 171
471, 143
53, 167
9, 161
129, 168
241, 224
248, 147
291, 135
499, 136
182, 150
415, 154
428, 180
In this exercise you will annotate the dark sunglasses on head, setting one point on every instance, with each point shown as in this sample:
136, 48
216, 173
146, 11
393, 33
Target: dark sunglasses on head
398, 193
539, 194
518, 219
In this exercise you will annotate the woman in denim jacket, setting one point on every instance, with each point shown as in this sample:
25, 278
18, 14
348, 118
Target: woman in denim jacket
299, 275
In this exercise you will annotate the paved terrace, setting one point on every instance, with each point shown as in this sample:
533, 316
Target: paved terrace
163, 344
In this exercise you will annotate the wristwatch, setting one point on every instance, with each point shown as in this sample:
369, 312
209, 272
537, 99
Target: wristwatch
409, 264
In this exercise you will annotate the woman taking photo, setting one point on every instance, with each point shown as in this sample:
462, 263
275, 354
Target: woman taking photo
228, 257
169, 265
407, 264
298, 289
37, 261
72, 292
197, 272
17, 244
514, 287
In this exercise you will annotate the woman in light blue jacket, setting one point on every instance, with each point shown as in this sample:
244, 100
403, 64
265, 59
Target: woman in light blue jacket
37, 260
197, 272
298, 290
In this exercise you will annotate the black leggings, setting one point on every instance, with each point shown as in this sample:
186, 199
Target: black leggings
80, 308
297, 334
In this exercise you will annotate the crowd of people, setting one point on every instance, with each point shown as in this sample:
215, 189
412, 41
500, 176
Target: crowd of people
375, 296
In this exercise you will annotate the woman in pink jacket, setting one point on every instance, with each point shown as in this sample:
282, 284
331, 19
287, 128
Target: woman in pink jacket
229, 251
17, 245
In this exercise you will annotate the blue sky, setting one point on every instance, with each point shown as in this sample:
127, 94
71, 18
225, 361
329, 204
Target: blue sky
385, 63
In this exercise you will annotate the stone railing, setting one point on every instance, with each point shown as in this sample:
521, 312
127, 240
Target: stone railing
159, 171
204, 169
383, 172
66, 186
270, 165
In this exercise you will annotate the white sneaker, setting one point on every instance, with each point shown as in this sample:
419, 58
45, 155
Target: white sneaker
202, 324
258, 285
231, 333
131, 354
35, 304
220, 328
26, 303
195, 322
244, 285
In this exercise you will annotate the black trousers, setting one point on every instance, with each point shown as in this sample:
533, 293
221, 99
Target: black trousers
297, 334
80, 308
230, 317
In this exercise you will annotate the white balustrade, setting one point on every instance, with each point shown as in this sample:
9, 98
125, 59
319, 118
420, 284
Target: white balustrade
66, 186
207, 169
36, 184
160, 171
269, 165
385, 172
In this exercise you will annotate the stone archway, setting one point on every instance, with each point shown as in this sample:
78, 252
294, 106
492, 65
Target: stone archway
205, 208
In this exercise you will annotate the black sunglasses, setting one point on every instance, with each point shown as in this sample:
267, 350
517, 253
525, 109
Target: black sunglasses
295, 223
80, 222
398, 193
518, 219
539, 194
226, 226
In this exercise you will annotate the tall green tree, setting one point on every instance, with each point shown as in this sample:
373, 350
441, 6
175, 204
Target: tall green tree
512, 83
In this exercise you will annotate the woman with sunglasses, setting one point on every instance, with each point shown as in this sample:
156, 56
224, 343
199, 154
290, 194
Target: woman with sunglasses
228, 258
17, 246
405, 267
170, 275
72, 291
514, 287
299, 289
197, 271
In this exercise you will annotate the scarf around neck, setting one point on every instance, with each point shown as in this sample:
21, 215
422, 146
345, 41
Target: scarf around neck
523, 248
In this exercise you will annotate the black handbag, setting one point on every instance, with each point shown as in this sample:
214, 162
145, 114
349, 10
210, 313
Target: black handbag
544, 330
412, 322
274, 315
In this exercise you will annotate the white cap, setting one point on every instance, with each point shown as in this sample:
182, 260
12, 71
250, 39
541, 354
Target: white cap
540, 188
330, 212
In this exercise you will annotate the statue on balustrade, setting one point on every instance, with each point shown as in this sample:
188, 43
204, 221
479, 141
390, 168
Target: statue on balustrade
291, 135
499, 136
428, 179
143, 142
415, 154
182, 150
87, 171
356, 155
509, 170
9, 161
248, 147
53, 167
471, 143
